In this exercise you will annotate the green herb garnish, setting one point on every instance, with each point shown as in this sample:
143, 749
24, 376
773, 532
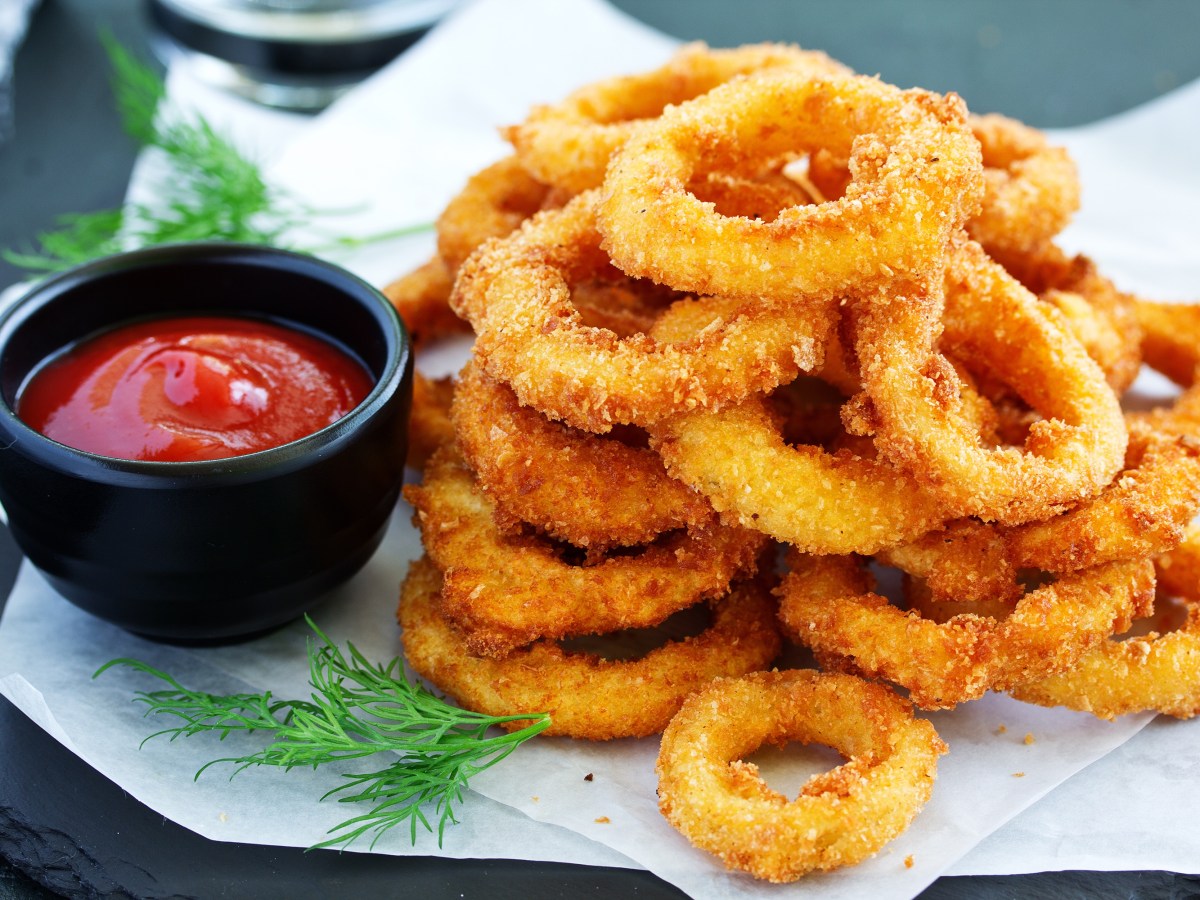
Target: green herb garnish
358, 710
211, 191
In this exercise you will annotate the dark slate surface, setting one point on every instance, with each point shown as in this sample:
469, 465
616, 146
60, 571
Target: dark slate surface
65, 829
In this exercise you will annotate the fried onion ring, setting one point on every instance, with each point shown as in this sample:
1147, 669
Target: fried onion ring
1159, 672
839, 818
504, 590
917, 176
592, 491
1142, 513
944, 664
1101, 316
1171, 345
1031, 188
802, 495
429, 424
422, 298
569, 144
493, 203
587, 696
991, 322
517, 295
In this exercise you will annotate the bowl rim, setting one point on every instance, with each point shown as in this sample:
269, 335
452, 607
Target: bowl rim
284, 457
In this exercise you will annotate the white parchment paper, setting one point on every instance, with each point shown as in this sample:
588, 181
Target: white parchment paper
395, 151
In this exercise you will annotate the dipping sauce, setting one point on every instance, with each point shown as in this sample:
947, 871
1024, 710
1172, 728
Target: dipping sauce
192, 388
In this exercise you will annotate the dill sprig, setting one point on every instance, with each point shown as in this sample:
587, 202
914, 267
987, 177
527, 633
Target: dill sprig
358, 709
211, 191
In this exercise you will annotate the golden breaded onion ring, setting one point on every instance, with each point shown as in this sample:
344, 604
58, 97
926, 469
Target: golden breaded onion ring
720, 804
422, 298
1031, 188
803, 495
587, 696
916, 178
1171, 345
1101, 316
1157, 672
946, 663
568, 144
992, 323
429, 424
503, 590
493, 203
593, 491
517, 293
1142, 513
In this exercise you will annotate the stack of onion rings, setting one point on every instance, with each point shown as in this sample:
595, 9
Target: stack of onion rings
503, 590
747, 298
593, 491
1153, 671
586, 695
946, 663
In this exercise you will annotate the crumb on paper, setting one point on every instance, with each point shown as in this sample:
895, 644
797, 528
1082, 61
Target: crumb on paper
1018, 775
222, 817
908, 861
1002, 729
536, 799
1029, 738
602, 820
589, 777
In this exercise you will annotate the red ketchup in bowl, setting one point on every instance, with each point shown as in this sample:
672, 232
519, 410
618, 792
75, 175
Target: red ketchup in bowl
192, 388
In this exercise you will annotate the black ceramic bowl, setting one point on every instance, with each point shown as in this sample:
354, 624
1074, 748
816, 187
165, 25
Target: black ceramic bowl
214, 550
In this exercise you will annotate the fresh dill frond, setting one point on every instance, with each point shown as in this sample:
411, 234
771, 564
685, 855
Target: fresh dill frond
210, 191
136, 88
358, 709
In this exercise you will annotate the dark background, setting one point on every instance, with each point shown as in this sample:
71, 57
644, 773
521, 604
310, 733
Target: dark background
1052, 63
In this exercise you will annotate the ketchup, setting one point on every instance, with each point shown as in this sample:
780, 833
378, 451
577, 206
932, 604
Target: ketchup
192, 388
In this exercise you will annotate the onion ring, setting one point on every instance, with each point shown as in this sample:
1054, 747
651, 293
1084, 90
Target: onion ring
994, 323
422, 298
944, 664
569, 144
1031, 188
917, 177
722, 806
1169, 341
592, 491
493, 203
429, 424
817, 501
517, 295
1101, 316
586, 696
1159, 672
504, 590
1142, 513
1171, 345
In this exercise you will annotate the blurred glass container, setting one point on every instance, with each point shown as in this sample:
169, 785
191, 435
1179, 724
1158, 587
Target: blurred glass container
291, 54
